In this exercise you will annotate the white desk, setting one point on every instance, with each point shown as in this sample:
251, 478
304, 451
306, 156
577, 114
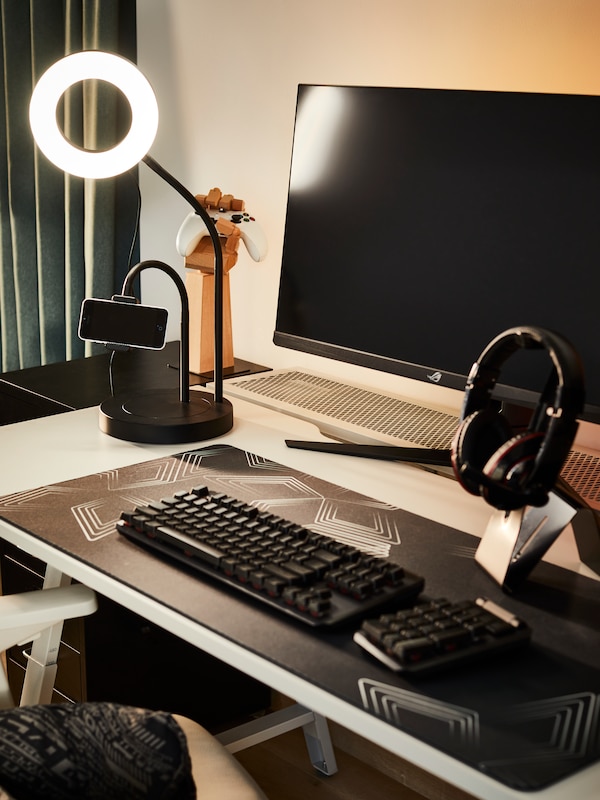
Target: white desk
70, 445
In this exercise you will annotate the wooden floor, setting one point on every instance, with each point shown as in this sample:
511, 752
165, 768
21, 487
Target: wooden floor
283, 770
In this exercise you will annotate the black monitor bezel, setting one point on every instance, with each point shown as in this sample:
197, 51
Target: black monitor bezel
428, 374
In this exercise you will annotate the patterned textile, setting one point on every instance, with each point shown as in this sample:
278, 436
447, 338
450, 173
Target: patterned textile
93, 750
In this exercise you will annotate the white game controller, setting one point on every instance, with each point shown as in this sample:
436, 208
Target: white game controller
193, 228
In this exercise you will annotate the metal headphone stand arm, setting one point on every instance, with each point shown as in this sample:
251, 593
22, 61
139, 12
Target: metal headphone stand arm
515, 541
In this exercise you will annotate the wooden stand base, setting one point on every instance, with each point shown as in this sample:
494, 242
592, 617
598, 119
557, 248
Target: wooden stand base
201, 291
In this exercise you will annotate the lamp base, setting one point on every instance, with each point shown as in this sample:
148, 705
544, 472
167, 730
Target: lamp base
159, 417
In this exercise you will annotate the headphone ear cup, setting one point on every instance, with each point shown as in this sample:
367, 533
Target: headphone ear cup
478, 437
511, 466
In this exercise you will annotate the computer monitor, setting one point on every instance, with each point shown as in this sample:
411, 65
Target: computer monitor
421, 223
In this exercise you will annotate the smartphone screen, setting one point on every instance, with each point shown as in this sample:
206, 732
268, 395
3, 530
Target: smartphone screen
130, 324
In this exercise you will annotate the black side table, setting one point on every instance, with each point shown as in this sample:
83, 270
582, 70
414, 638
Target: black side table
84, 382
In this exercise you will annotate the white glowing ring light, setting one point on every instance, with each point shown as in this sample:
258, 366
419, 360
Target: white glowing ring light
85, 66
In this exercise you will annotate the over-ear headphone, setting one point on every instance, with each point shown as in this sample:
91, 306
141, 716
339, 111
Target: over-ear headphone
515, 470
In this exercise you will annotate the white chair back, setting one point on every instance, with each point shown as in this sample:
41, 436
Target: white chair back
39, 615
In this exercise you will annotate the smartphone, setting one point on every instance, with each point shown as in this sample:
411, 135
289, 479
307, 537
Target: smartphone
128, 324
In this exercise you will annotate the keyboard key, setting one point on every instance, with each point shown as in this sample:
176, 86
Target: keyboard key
200, 550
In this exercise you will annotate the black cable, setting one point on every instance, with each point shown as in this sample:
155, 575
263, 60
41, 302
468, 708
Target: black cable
138, 213
110, 373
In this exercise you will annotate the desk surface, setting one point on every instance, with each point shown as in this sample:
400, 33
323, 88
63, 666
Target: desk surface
69, 446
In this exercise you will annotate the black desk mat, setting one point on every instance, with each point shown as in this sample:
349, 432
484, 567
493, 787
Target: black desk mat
526, 720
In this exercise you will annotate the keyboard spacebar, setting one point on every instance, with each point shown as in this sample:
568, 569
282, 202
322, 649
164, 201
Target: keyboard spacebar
201, 550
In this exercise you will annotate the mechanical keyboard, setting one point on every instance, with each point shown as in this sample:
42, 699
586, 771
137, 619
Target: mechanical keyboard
311, 577
436, 634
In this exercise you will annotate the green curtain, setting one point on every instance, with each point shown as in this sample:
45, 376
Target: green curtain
61, 238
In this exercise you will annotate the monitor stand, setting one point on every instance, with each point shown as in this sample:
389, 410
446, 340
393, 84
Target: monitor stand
411, 455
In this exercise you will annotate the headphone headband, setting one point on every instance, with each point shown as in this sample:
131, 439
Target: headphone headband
569, 389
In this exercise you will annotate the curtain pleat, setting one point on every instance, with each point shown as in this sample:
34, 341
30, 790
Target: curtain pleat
62, 238
46, 46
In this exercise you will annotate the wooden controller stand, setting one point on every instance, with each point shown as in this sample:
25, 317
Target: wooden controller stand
200, 285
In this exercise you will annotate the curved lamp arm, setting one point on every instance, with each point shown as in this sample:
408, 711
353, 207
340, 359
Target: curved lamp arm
184, 343
218, 299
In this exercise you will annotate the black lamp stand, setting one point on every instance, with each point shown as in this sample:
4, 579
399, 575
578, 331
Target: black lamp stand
161, 416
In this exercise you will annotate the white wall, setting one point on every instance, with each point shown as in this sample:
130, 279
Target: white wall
226, 73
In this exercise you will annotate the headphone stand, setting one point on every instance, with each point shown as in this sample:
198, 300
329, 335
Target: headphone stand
515, 541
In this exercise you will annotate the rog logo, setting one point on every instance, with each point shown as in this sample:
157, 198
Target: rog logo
435, 377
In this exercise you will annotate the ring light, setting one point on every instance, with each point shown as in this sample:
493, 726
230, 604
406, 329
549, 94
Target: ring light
106, 67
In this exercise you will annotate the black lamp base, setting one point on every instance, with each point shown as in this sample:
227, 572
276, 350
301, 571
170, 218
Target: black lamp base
160, 417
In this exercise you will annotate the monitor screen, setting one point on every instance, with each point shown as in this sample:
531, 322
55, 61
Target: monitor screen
421, 223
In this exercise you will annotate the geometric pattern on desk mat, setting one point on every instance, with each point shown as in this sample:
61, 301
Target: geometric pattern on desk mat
541, 739
525, 741
368, 524
395, 705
